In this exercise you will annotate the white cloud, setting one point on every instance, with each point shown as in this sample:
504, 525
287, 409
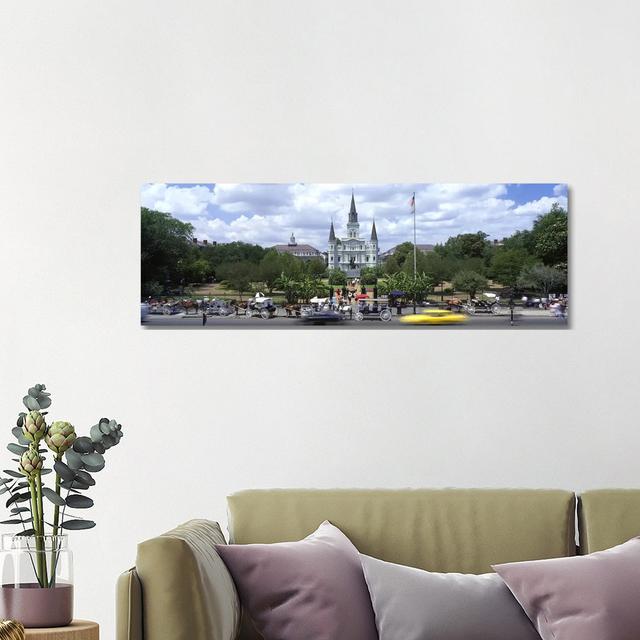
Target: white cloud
179, 201
267, 214
538, 207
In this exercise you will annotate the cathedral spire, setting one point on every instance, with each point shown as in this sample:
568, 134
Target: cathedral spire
353, 214
374, 233
332, 233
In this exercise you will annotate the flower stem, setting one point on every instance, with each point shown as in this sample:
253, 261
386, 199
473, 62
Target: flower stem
36, 526
45, 580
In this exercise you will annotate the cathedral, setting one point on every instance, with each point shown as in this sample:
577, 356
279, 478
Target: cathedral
353, 253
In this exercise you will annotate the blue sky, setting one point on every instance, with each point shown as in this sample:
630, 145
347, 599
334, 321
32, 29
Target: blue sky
267, 214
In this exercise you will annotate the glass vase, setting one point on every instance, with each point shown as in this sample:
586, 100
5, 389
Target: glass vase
37, 580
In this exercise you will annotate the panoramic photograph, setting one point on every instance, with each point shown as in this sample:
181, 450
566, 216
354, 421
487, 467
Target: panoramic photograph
354, 256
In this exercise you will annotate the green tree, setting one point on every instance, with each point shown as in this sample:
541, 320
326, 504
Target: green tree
228, 252
506, 266
315, 267
292, 266
270, 269
394, 282
166, 244
337, 278
465, 245
391, 265
544, 279
419, 287
288, 286
309, 287
522, 240
404, 254
550, 235
469, 282
369, 275
238, 275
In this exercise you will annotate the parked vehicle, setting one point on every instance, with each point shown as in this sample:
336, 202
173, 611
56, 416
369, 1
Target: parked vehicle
373, 309
144, 311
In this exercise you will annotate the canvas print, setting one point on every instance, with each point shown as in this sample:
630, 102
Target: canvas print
354, 256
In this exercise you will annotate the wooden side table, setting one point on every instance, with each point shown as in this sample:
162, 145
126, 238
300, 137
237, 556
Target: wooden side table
77, 630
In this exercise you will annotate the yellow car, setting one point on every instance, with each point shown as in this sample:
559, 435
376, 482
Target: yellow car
434, 316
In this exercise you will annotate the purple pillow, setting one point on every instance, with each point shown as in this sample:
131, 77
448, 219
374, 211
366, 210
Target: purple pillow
313, 588
593, 597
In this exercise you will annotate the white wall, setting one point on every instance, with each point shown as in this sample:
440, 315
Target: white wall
97, 98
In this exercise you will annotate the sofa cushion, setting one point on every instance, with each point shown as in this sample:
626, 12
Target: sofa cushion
461, 530
412, 604
608, 517
129, 606
593, 597
187, 591
310, 589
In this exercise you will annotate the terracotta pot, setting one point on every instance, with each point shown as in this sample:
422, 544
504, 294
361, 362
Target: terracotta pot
34, 606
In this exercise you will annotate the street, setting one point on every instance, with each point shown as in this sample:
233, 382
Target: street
530, 320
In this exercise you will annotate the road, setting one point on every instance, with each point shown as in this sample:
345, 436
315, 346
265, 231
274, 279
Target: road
524, 321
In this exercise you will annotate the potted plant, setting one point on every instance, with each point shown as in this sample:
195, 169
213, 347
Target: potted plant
36, 564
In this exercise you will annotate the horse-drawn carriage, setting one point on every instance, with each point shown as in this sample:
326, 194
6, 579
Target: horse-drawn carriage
165, 308
373, 309
486, 303
260, 307
217, 307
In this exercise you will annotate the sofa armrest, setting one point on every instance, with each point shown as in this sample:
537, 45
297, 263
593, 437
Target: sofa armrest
129, 606
187, 592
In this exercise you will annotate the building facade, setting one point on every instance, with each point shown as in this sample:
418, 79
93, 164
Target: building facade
302, 251
352, 253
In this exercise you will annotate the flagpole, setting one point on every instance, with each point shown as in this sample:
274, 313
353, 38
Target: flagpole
415, 247
415, 251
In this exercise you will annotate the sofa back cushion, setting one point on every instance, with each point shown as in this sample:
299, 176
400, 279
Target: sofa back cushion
608, 517
457, 530
187, 591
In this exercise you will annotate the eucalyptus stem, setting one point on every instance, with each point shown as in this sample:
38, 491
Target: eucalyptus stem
54, 531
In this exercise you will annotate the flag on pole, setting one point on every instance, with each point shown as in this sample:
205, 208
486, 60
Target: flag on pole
412, 202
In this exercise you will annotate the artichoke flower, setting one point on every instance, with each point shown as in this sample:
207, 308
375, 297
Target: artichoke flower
60, 436
31, 463
33, 426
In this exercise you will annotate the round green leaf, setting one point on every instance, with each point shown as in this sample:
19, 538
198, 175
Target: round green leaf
93, 459
63, 470
79, 502
86, 478
83, 445
95, 433
76, 525
74, 460
52, 496
16, 448
92, 469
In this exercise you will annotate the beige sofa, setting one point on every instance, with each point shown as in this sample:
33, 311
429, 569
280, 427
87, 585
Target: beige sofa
180, 590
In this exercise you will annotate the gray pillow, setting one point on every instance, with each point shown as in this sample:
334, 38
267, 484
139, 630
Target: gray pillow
411, 604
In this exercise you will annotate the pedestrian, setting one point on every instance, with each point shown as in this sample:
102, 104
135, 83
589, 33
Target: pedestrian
204, 318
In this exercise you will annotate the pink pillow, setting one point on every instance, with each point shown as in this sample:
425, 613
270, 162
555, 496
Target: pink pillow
593, 597
311, 589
